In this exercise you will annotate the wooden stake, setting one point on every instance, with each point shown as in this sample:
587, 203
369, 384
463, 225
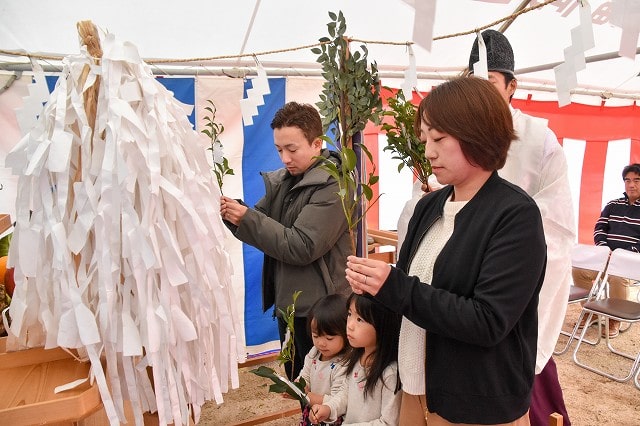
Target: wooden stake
89, 37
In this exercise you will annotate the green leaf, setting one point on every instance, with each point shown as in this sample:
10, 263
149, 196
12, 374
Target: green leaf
367, 191
332, 29
279, 386
350, 158
5, 242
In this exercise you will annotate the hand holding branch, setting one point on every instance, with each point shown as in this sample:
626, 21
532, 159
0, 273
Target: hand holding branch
366, 275
231, 210
319, 413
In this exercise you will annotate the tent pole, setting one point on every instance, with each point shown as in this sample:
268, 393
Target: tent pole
431, 75
508, 22
589, 59
250, 27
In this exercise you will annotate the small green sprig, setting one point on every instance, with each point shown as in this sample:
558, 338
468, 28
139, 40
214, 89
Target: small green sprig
402, 140
287, 354
282, 385
213, 130
347, 177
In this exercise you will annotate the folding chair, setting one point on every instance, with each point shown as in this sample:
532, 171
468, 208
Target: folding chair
592, 258
624, 264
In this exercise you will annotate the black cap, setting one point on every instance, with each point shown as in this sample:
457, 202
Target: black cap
499, 52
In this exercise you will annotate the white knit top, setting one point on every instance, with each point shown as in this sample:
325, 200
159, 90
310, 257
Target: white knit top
412, 346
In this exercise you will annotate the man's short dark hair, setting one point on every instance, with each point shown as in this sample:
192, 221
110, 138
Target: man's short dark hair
303, 116
633, 168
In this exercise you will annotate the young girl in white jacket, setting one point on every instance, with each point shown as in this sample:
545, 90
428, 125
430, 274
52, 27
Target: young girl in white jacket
325, 366
370, 394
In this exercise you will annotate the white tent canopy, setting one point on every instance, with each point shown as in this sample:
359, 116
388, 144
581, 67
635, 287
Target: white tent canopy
203, 30
232, 37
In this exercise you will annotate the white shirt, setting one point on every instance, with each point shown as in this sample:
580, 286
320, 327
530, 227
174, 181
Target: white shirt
323, 377
536, 163
380, 407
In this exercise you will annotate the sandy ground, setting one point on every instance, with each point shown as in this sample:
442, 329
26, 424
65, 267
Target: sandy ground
591, 399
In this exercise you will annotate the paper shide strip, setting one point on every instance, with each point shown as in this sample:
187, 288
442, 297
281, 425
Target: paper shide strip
574, 56
118, 244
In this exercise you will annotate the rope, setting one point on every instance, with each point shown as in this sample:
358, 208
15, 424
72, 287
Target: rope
512, 16
291, 49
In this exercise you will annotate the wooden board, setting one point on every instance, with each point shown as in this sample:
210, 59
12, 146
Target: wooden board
11, 360
5, 222
29, 378
384, 237
276, 415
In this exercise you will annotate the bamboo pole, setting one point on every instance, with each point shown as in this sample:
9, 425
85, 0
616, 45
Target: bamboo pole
88, 37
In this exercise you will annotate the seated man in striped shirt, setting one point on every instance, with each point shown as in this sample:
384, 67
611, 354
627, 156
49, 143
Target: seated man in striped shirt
617, 227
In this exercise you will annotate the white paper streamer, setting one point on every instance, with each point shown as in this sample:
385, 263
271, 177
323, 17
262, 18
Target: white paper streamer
32, 104
118, 247
626, 15
480, 68
70, 385
255, 95
574, 58
423, 21
410, 76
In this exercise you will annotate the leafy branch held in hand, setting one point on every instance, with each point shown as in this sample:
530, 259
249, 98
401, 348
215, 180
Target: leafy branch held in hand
350, 97
295, 389
213, 130
402, 137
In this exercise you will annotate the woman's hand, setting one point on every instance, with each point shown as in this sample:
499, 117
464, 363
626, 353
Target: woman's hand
366, 275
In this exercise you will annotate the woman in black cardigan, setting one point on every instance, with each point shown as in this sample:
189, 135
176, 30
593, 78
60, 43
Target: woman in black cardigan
471, 267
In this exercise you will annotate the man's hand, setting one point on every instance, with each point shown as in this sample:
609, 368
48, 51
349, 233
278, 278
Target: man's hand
231, 210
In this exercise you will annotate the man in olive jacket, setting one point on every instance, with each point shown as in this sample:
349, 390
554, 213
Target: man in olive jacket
299, 224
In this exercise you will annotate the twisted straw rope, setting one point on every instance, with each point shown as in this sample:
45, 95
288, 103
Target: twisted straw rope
291, 49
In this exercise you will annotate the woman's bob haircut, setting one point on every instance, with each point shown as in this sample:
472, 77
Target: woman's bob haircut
471, 110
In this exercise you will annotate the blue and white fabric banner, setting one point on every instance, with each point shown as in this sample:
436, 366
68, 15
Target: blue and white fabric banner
248, 145
259, 155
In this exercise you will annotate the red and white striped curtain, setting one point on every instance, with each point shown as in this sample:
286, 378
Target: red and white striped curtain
598, 142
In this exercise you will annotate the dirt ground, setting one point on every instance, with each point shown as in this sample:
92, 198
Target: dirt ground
591, 399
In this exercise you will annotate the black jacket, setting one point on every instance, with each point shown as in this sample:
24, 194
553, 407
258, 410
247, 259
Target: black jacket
480, 311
